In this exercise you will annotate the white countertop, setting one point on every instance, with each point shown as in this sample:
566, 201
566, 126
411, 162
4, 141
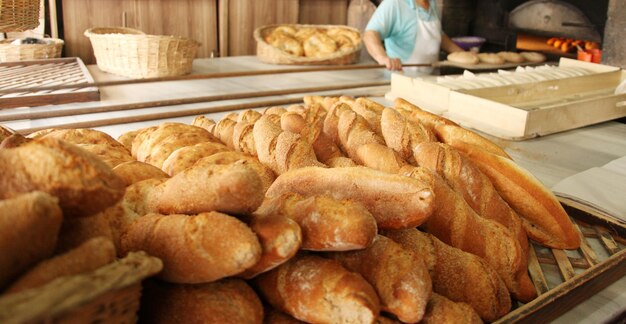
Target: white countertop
550, 159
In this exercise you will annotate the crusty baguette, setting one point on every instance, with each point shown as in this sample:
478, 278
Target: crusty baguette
465, 178
83, 183
224, 131
455, 223
144, 143
243, 138
394, 200
225, 301
340, 162
280, 150
135, 171
441, 310
141, 135
203, 122
83, 136
353, 131
403, 135
161, 151
457, 275
29, 227
417, 114
331, 122
248, 116
194, 249
371, 111
452, 135
89, 256
127, 138
266, 175
280, 239
327, 224
141, 198
111, 155
276, 110
543, 217
379, 157
319, 290
234, 189
399, 276
185, 157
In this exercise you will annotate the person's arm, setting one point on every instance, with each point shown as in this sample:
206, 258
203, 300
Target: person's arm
448, 45
375, 48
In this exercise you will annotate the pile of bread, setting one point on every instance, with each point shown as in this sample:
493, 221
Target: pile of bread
337, 210
313, 42
471, 58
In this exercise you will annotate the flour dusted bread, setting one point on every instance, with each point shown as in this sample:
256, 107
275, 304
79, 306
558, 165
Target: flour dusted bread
266, 175
318, 290
512, 57
224, 301
463, 58
534, 57
395, 201
29, 228
441, 310
135, 171
185, 157
491, 58
194, 248
83, 183
399, 276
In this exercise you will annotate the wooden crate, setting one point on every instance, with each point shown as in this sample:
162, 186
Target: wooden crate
527, 110
566, 278
45, 73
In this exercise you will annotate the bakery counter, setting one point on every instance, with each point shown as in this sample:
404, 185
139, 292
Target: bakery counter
551, 158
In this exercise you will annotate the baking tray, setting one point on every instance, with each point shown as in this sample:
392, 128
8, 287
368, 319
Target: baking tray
566, 278
45, 73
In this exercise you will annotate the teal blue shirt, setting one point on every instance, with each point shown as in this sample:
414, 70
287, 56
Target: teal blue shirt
396, 22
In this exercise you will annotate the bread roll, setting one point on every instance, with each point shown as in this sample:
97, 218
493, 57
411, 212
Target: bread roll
185, 157
441, 310
394, 200
229, 157
511, 57
29, 227
327, 224
111, 155
84, 136
89, 256
400, 277
135, 171
194, 249
457, 275
491, 58
83, 183
145, 146
243, 138
234, 188
161, 150
224, 301
534, 57
248, 116
464, 58
127, 138
203, 122
318, 290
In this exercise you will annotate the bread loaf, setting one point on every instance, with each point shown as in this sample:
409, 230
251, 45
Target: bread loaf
277, 110
400, 277
145, 146
331, 122
185, 157
13, 141
394, 200
274, 316
266, 175
457, 275
83, 183
491, 58
455, 223
543, 217
441, 310
29, 227
318, 290
452, 135
161, 150
340, 162
83, 136
4, 133
248, 116
468, 58
127, 138
403, 135
234, 189
224, 301
111, 155
379, 157
476, 189
371, 111
194, 249
327, 224
135, 171
203, 122
89, 256
353, 131
141, 135
76, 231
417, 114
243, 138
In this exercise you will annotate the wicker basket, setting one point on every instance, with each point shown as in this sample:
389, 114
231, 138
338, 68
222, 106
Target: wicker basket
110, 294
131, 53
270, 54
19, 15
10, 52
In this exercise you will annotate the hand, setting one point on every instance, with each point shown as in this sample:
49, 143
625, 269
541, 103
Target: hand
392, 63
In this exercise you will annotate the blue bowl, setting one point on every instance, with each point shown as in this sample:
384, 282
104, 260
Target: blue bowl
468, 42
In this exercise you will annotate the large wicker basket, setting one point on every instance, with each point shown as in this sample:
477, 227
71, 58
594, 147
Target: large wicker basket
10, 52
19, 15
110, 294
131, 53
270, 54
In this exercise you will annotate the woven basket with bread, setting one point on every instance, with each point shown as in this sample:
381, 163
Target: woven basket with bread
307, 213
308, 44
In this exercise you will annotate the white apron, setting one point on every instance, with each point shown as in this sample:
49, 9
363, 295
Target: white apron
427, 43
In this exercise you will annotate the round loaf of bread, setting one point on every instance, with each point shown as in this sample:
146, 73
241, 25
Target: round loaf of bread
463, 58
534, 57
512, 57
490, 58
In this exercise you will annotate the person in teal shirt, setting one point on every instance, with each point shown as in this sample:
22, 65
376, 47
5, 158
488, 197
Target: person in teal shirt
411, 31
